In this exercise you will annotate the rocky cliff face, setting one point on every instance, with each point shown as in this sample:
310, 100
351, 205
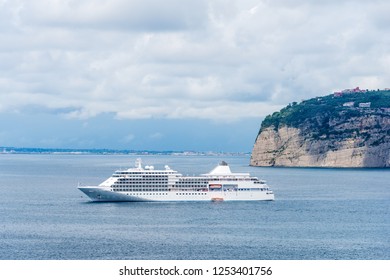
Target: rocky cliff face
346, 137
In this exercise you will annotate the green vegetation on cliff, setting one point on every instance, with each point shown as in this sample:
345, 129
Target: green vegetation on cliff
318, 112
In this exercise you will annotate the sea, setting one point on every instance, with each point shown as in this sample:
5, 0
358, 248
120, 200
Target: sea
318, 214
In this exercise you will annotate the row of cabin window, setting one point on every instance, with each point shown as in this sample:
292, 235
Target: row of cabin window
142, 180
254, 189
200, 193
144, 173
140, 189
192, 182
149, 194
231, 179
140, 184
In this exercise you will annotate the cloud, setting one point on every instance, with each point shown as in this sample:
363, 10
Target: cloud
128, 138
146, 15
156, 135
176, 59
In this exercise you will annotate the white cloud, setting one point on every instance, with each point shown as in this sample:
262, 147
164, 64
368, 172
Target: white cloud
145, 15
156, 135
128, 138
187, 59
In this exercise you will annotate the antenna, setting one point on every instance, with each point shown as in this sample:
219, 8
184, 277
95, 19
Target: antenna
138, 163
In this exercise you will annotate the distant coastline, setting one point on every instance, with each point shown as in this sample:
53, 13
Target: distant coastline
67, 151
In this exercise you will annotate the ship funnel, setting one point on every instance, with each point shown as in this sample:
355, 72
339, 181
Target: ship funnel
221, 169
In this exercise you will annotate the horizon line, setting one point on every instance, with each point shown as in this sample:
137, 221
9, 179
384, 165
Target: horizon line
43, 150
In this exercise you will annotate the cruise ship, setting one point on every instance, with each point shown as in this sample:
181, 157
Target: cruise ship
148, 184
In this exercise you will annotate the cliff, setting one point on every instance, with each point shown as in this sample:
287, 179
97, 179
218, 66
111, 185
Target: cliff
348, 130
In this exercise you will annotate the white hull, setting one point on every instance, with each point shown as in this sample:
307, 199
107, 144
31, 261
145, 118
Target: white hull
106, 195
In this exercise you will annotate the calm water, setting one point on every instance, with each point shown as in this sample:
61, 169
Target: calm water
317, 214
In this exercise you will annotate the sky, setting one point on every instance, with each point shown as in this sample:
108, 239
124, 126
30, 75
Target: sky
176, 74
